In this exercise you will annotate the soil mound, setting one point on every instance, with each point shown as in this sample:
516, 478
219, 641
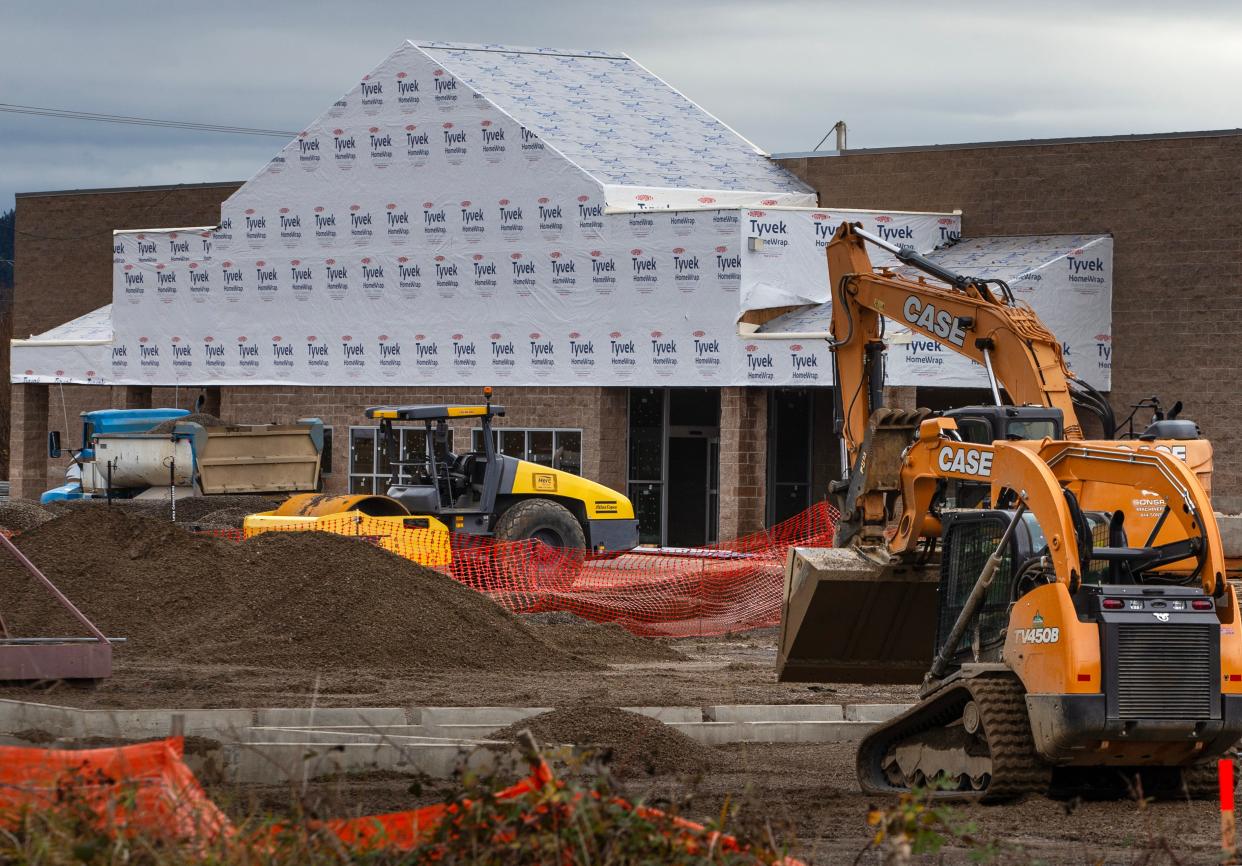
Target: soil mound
224, 518
204, 418
601, 641
303, 601
18, 515
631, 744
190, 510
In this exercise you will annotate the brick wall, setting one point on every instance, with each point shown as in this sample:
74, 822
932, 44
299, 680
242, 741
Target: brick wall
743, 460
1174, 207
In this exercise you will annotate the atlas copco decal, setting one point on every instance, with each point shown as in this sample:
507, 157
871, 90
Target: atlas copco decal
247, 355
396, 223
301, 279
409, 277
581, 353
891, 231
316, 355
389, 355
706, 352
603, 271
564, 272
282, 353
232, 281
213, 353
551, 218
644, 270
165, 283
511, 224
663, 353
483, 272
256, 228
336, 278
380, 147
446, 276
309, 148
222, 235
465, 354
473, 224
685, 270
1104, 351
290, 227
445, 87
590, 215
325, 226
178, 247
622, 353
542, 353
200, 281
532, 148
147, 248
503, 354
372, 278
372, 95
417, 145
361, 225
1086, 272
456, 143
344, 149
435, 221
728, 268
524, 275
493, 141
760, 366
148, 355
772, 230
805, 363
267, 283
409, 94
949, 229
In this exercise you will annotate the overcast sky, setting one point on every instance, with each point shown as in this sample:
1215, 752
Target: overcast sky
779, 71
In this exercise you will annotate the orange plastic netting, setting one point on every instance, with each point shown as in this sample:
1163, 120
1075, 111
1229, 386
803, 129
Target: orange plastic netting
728, 586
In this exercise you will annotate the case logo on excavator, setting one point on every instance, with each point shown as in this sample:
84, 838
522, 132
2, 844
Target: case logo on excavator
965, 461
939, 322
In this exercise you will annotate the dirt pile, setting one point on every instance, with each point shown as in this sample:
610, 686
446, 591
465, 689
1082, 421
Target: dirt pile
604, 642
18, 515
631, 744
206, 419
301, 601
224, 518
190, 510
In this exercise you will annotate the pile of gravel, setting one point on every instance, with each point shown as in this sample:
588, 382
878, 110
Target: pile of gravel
18, 515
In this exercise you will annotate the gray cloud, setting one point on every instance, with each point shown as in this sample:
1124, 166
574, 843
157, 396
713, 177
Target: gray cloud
779, 72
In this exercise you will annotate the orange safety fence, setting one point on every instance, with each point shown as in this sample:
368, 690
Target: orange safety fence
725, 587
143, 788
146, 789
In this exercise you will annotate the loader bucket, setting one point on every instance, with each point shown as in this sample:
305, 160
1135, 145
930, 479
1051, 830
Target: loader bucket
846, 618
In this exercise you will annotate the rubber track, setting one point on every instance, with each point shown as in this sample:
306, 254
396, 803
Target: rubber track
1016, 768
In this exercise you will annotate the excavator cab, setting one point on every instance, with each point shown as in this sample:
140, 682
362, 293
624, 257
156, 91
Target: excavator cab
987, 424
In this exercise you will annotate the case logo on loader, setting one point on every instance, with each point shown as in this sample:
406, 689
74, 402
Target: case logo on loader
965, 461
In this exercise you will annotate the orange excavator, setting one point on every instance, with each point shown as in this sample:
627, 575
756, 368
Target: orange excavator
1062, 602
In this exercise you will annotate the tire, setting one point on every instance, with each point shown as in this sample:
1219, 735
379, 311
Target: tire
542, 519
551, 567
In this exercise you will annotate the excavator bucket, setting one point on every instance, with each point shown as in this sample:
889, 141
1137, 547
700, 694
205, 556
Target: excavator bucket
850, 616
875, 478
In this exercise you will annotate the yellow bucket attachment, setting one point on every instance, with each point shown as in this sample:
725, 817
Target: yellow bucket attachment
850, 616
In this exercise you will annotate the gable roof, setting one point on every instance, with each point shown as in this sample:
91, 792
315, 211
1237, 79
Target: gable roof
615, 119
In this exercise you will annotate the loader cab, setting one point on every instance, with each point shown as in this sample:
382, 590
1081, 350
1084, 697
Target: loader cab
987, 424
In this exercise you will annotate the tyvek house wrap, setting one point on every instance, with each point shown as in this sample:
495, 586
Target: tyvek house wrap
424, 230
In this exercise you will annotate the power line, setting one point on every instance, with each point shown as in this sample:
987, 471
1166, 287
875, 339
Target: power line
66, 114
